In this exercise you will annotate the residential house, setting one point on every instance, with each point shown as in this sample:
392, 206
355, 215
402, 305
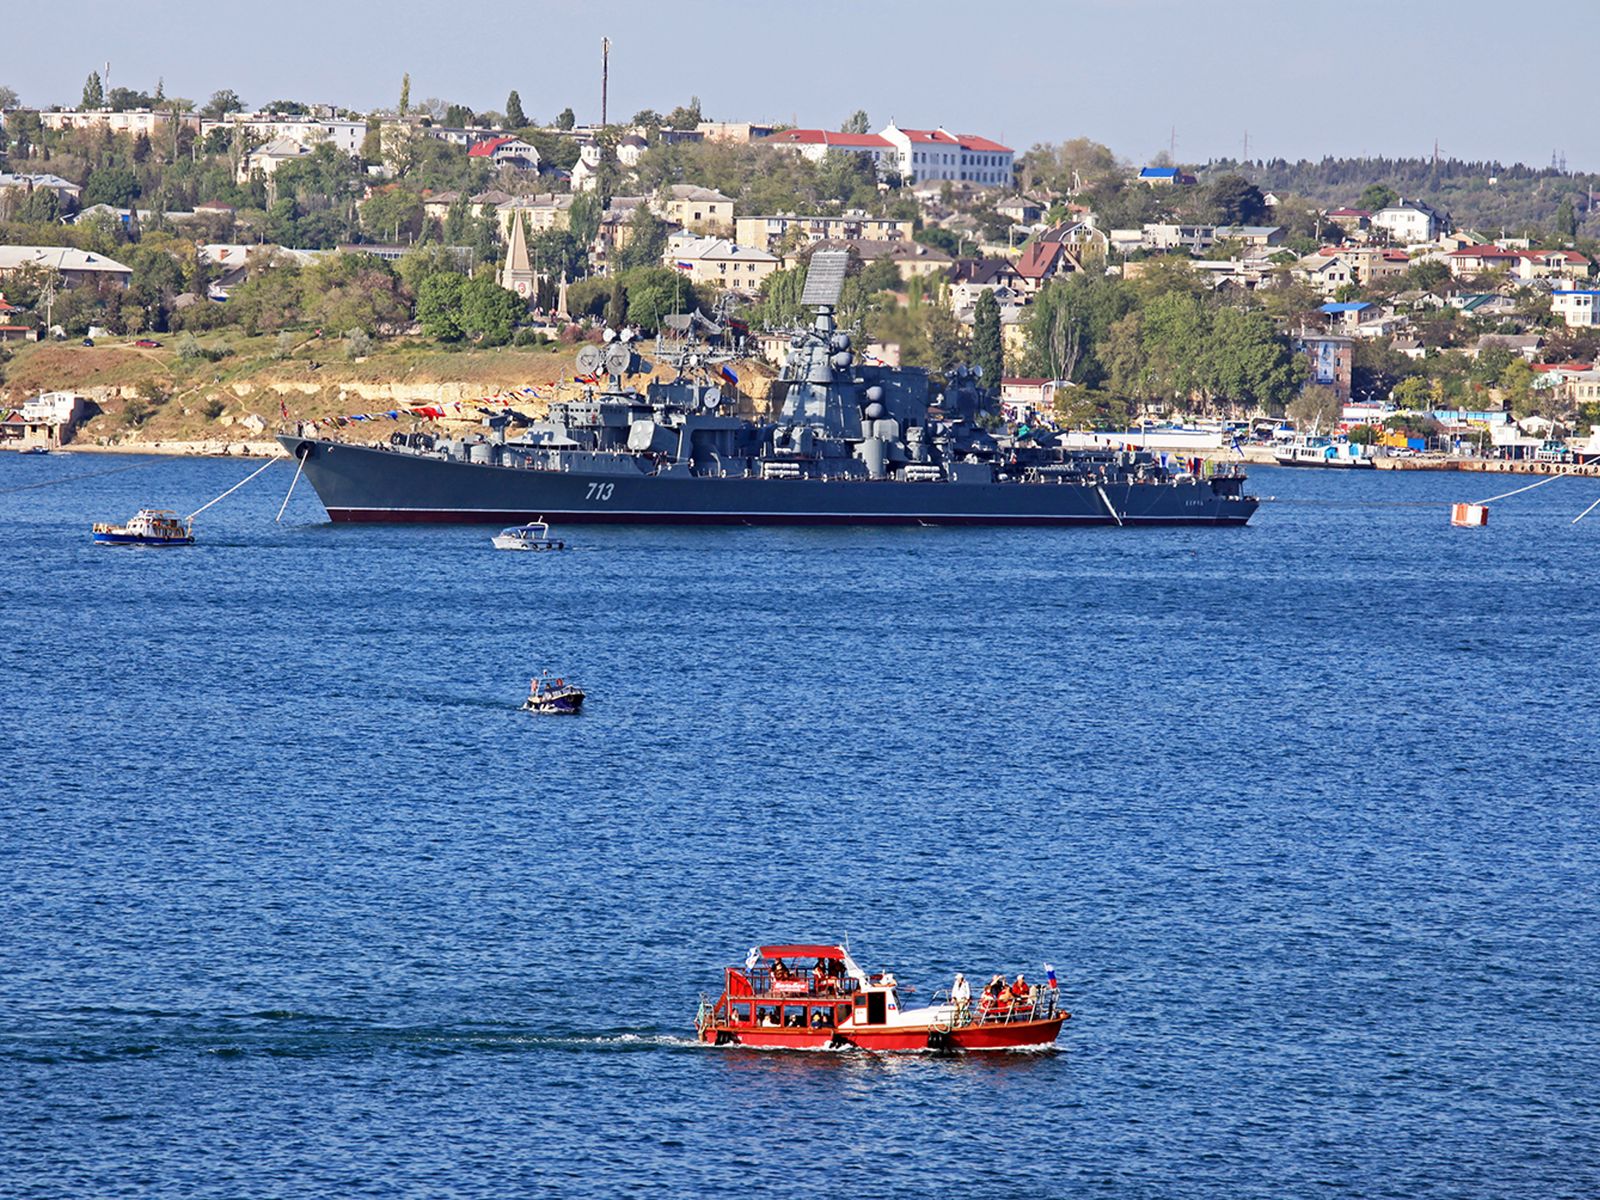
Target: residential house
1553, 264
1524, 345
1257, 237
1042, 261
1571, 383
265, 160
911, 258
236, 262
46, 420
1367, 264
506, 151
1081, 237
484, 204
773, 231
720, 262
345, 135
1330, 357
548, 210
1410, 222
74, 268
971, 277
699, 209
133, 121
614, 232
16, 188
586, 171
1166, 177
1347, 315
1578, 307
1327, 273
928, 154
630, 149
1020, 210
739, 132
1352, 220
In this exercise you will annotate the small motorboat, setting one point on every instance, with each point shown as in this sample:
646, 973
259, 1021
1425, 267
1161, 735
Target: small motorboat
35, 450
148, 527
553, 697
535, 535
773, 1001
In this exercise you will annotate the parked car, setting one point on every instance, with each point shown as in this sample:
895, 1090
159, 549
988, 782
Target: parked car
88, 341
147, 344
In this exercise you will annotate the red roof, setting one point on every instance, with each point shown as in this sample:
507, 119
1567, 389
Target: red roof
487, 147
1348, 212
801, 950
967, 141
1038, 257
1485, 252
827, 137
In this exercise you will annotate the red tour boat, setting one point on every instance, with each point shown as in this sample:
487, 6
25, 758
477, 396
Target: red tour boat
815, 997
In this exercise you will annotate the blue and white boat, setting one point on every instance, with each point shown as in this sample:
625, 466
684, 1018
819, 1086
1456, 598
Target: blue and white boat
148, 527
535, 535
1310, 450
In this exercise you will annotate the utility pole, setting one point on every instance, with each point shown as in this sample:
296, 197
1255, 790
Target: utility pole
1246, 145
1172, 146
605, 77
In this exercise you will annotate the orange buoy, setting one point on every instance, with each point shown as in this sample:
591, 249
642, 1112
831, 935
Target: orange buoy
1467, 516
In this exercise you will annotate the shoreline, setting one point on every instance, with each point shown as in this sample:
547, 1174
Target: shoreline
213, 448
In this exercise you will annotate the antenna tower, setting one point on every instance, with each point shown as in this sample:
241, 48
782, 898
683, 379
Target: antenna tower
605, 77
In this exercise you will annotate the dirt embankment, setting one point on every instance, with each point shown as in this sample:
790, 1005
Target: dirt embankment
239, 388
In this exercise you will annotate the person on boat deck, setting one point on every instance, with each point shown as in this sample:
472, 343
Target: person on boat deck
780, 973
767, 1017
821, 981
961, 994
1019, 989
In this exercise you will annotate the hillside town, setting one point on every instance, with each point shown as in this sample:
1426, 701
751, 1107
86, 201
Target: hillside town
1099, 293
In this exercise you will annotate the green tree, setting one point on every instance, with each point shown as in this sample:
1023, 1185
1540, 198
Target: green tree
115, 185
354, 291
988, 350
583, 218
93, 93
457, 218
856, 122
221, 102
458, 116
617, 308
1566, 219
1236, 201
489, 312
8, 97
439, 309
657, 292
1248, 363
392, 215
780, 297
269, 301
556, 252
405, 94
648, 119
566, 119
647, 240
685, 116
1378, 196
1316, 407
515, 117
1415, 393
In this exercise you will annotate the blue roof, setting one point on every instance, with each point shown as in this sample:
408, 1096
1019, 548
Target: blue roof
1574, 292
1350, 306
1158, 173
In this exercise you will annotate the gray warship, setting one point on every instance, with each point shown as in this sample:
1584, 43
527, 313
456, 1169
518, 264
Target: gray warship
855, 443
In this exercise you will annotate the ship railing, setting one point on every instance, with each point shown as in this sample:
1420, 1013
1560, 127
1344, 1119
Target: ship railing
799, 985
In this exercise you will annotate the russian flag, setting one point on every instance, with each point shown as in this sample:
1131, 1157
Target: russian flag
683, 266
727, 373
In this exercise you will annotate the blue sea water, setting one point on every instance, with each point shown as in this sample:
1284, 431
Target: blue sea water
296, 902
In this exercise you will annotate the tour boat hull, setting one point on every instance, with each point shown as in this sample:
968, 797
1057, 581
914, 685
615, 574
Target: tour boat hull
1020, 1035
140, 539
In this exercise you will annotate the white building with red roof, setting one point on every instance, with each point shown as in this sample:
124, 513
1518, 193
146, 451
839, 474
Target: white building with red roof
923, 154
506, 152
815, 144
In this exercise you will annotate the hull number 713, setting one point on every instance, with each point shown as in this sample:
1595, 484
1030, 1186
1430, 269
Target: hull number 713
600, 491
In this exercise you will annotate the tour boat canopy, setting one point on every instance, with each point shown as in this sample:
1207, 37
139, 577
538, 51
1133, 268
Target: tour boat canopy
803, 951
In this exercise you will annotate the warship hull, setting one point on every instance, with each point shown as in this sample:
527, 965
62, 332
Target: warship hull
366, 484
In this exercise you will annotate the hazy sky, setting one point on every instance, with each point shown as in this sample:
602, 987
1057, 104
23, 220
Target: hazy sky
1486, 78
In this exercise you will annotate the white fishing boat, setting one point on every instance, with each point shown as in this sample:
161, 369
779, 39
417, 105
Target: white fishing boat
535, 535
